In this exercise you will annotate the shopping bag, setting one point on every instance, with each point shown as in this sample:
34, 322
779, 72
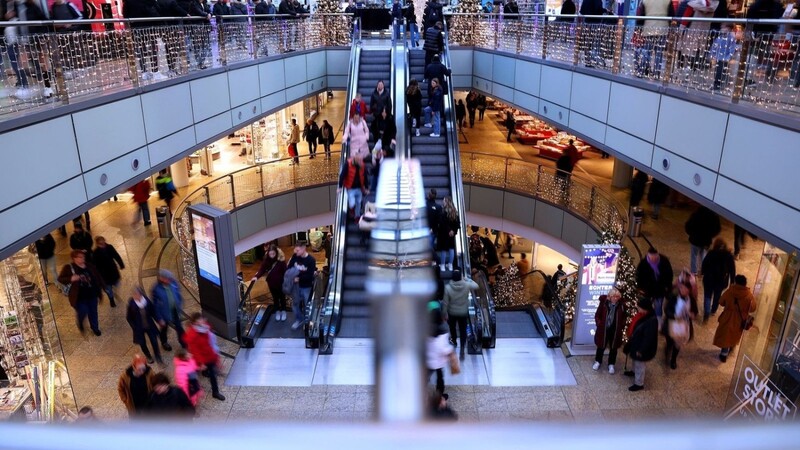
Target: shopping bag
455, 367
679, 332
292, 150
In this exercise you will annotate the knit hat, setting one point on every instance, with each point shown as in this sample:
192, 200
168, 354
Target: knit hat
645, 303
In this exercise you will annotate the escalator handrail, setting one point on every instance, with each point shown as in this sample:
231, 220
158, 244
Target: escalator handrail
399, 82
457, 195
316, 308
330, 315
485, 301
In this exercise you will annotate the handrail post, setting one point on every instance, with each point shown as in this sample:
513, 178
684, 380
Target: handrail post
619, 36
130, 51
672, 39
233, 190
496, 32
576, 48
741, 68
505, 175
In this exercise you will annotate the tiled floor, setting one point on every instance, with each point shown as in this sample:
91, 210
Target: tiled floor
697, 388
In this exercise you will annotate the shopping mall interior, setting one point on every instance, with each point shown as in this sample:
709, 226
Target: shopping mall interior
530, 348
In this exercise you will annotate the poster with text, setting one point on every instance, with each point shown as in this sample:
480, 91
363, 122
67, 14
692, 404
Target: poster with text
598, 273
206, 243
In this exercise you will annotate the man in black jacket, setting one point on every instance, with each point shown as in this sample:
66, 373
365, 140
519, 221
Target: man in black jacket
703, 225
764, 33
439, 71
434, 42
168, 401
46, 251
307, 266
654, 277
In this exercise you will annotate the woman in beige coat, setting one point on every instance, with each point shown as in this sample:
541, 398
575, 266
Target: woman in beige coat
739, 303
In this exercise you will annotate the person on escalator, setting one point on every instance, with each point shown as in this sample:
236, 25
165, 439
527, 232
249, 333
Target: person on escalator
456, 306
355, 179
273, 267
384, 131
434, 108
358, 106
438, 71
306, 265
380, 99
448, 227
414, 102
357, 134
434, 38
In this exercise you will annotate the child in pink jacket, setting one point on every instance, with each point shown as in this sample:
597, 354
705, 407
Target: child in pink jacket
186, 375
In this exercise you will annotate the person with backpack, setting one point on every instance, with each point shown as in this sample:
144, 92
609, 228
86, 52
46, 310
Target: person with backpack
165, 187
434, 40
304, 266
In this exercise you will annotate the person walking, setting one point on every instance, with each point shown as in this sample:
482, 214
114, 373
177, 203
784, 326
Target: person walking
482, 103
46, 252
472, 106
81, 240
434, 108
679, 311
642, 344
357, 134
719, 269
201, 344
135, 385
326, 137
141, 194
455, 305
702, 226
294, 139
166, 296
656, 196
311, 134
610, 321
141, 317
434, 40
638, 184
511, 124
438, 348
654, 277
166, 188
273, 267
414, 102
449, 224
108, 264
186, 375
167, 401
86, 284
354, 178
306, 267
738, 304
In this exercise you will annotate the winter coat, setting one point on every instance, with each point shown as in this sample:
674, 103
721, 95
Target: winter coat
106, 260
670, 314
439, 71
274, 268
132, 9
456, 297
379, 101
643, 343
331, 136
171, 8
658, 193
46, 247
414, 102
436, 100
221, 9
286, 7
443, 239
600, 319
638, 184
82, 241
434, 213
738, 303
76, 290
354, 176
654, 8
592, 8
239, 9
124, 387
199, 345
568, 7
141, 191
186, 370
294, 137
141, 325
161, 300
718, 268
311, 132
359, 108
359, 137
172, 404
437, 351
306, 276
646, 280
765, 9
389, 128
434, 40
702, 226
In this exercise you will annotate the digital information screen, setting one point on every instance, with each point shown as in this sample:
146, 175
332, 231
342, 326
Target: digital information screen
206, 242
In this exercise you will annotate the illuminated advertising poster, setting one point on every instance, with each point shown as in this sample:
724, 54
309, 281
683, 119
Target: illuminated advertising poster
206, 243
598, 273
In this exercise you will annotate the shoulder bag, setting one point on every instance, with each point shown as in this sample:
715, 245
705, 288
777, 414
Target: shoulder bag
747, 322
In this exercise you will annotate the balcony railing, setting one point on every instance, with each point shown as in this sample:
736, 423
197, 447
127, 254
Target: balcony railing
55, 63
572, 193
750, 61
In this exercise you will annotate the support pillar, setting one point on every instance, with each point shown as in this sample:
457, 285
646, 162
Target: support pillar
180, 173
621, 177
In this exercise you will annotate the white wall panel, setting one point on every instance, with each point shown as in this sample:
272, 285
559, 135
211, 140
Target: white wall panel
338, 62
573, 231
692, 131
758, 209
122, 131
116, 172
502, 92
634, 111
315, 65
630, 146
273, 101
482, 84
166, 111
482, 64
337, 81
246, 114
271, 77
762, 157
556, 85
168, 147
210, 96
553, 112
590, 96
243, 85
527, 102
36, 158
315, 85
503, 70
294, 70
20, 220
692, 176
589, 127
213, 126
461, 62
527, 76
296, 93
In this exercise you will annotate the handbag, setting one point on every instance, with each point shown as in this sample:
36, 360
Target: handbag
747, 322
194, 384
455, 366
679, 332
65, 288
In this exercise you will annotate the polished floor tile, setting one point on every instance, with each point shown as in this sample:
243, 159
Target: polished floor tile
274, 362
527, 362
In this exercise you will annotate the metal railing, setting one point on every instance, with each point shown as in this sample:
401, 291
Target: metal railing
750, 61
570, 192
55, 63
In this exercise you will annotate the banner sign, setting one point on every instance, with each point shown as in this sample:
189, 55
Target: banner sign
760, 400
598, 273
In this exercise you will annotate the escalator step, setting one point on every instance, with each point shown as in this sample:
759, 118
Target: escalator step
432, 159
433, 171
420, 147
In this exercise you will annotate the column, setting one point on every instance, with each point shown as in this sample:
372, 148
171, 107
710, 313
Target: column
622, 174
180, 173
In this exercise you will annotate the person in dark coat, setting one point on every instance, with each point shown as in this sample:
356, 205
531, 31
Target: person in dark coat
437, 70
511, 126
654, 277
765, 9
638, 184
414, 102
434, 213
380, 99
168, 401
273, 267
461, 114
591, 42
141, 317
108, 263
326, 137
434, 41
449, 224
85, 287
46, 252
311, 134
643, 343
703, 225
718, 268
472, 106
384, 131
680, 307
568, 7
657, 196
610, 321
81, 240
